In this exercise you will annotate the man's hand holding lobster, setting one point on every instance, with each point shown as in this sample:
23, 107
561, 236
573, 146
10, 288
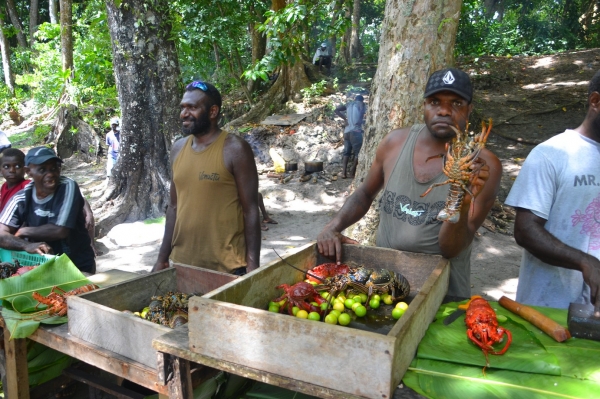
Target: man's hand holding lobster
480, 175
590, 269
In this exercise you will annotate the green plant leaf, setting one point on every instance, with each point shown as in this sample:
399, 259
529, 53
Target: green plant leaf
450, 380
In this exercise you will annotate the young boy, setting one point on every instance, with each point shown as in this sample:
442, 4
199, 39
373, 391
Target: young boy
12, 163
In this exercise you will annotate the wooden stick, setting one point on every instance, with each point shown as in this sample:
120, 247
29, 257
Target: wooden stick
544, 323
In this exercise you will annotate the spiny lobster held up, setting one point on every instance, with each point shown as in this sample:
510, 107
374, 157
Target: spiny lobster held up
482, 326
460, 156
300, 295
56, 300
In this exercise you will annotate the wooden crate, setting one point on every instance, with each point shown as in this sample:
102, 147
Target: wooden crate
97, 317
329, 361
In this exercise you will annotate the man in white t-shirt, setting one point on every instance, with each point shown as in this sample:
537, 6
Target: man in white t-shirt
557, 198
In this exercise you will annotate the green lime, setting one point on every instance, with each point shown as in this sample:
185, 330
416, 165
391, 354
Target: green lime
363, 297
282, 302
273, 303
339, 306
356, 304
360, 311
374, 303
336, 312
314, 316
376, 296
331, 318
357, 298
324, 294
295, 310
342, 298
302, 314
402, 305
324, 306
348, 303
274, 308
397, 313
344, 319
314, 303
313, 283
387, 299
501, 318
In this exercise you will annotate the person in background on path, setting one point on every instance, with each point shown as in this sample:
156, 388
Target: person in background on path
557, 201
322, 57
113, 138
4, 142
48, 214
352, 114
405, 166
212, 218
266, 218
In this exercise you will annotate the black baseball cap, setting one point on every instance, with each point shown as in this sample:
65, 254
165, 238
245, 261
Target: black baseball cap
39, 155
450, 79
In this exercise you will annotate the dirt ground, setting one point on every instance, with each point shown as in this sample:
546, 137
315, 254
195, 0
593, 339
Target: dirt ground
529, 99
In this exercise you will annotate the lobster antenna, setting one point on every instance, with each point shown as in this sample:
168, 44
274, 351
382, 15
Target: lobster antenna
297, 268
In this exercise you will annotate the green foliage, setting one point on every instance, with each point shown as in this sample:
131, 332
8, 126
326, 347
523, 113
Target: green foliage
40, 133
315, 90
534, 27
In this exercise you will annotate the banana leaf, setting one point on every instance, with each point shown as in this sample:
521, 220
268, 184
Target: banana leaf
447, 380
451, 344
22, 314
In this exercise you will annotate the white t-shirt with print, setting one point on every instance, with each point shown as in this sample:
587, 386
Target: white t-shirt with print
560, 182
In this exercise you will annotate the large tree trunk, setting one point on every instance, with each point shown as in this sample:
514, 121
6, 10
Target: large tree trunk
259, 44
147, 78
66, 34
52, 10
14, 19
356, 50
415, 42
333, 39
344, 54
5, 47
33, 18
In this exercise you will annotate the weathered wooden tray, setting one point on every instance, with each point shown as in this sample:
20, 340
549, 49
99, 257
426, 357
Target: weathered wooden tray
329, 361
98, 317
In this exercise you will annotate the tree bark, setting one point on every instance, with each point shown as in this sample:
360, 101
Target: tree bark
14, 19
259, 45
356, 50
417, 39
66, 34
333, 39
52, 10
344, 54
147, 77
33, 18
5, 47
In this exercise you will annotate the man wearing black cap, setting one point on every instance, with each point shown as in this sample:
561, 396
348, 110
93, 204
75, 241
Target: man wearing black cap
48, 214
405, 166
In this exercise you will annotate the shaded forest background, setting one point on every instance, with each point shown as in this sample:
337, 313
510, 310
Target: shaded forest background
69, 66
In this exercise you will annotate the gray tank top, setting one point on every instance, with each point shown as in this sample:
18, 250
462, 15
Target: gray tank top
408, 222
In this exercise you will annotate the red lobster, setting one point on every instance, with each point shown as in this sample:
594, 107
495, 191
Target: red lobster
57, 302
460, 155
482, 326
318, 273
300, 295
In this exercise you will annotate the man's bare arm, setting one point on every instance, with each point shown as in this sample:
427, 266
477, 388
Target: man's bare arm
330, 240
9, 241
531, 235
162, 261
46, 232
455, 237
240, 157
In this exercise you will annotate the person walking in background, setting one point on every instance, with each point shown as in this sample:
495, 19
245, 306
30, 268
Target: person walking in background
352, 114
113, 138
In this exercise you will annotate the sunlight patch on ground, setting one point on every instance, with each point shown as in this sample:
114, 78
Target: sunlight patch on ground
493, 251
543, 62
507, 288
547, 85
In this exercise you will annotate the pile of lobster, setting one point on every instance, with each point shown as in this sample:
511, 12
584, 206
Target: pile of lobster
8, 269
337, 278
170, 309
56, 300
461, 154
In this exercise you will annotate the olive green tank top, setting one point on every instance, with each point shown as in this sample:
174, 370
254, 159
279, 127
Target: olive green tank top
209, 229
408, 222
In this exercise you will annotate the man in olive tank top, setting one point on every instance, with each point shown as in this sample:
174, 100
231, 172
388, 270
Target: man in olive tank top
403, 167
212, 218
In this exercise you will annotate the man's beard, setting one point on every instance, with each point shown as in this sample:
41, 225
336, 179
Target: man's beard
198, 127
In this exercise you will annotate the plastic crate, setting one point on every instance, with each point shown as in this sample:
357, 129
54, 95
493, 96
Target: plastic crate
24, 258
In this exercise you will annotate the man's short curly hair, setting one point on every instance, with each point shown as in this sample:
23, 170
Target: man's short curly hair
594, 84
